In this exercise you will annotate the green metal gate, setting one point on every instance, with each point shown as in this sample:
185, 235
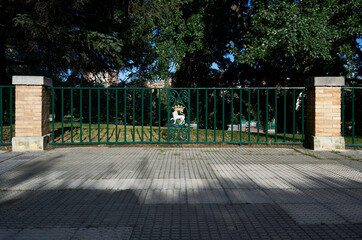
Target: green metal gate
6, 114
352, 116
177, 115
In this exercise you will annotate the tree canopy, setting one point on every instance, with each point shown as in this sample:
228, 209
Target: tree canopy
303, 38
57, 37
202, 42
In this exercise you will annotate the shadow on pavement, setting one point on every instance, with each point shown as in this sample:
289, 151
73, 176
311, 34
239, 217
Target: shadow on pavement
176, 194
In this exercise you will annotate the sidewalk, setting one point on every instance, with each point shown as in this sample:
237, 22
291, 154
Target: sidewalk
181, 193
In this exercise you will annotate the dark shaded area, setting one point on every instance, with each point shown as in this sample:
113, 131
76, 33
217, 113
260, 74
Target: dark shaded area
352, 112
105, 209
99, 209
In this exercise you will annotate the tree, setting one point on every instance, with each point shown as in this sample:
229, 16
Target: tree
56, 37
298, 39
222, 22
270, 40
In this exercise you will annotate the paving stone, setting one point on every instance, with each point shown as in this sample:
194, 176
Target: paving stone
355, 193
6, 234
353, 154
273, 183
266, 151
165, 196
237, 183
322, 154
179, 193
351, 212
312, 214
331, 196
10, 160
69, 233
248, 196
8, 155
290, 195
102, 233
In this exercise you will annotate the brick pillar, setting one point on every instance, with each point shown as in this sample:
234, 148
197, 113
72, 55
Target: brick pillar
32, 102
323, 113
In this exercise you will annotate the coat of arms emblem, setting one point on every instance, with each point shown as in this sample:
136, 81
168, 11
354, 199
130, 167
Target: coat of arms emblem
178, 117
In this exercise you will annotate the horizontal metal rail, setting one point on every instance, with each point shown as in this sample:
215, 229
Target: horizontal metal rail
138, 88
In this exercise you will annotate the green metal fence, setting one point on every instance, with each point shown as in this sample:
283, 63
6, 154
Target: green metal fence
177, 115
352, 116
6, 114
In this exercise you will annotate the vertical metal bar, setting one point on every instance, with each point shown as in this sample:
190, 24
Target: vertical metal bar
62, 111
142, 107
241, 117
214, 115
276, 115
188, 115
267, 114
285, 114
197, 115
99, 115
223, 115
71, 115
151, 114
80, 115
159, 115
257, 114
1, 115
90, 114
125, 114
107, 115
293, 115
53, 133
116, 117
342, 111
206, 114
249, 110
303, 115
134, 114
353, 122
11, 113
232, 115
168, 115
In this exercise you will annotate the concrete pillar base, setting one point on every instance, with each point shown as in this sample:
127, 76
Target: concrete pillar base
29, 144
325, 143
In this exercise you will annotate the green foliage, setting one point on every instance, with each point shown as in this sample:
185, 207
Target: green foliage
55, 37
223, 22
269, 39
303, 36
173, 35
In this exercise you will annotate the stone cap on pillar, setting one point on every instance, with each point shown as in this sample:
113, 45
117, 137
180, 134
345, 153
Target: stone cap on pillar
326, 82
32, 80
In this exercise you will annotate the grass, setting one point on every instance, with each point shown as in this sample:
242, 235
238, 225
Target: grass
5, 134
138, 134
159, 135
357, 140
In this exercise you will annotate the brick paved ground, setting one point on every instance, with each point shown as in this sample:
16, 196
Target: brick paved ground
177, 193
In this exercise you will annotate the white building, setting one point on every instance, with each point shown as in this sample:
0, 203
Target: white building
106, 78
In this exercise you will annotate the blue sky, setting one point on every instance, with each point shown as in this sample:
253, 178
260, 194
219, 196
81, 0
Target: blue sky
124, 75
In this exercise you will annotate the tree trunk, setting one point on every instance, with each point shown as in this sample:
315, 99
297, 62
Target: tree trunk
4, 80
